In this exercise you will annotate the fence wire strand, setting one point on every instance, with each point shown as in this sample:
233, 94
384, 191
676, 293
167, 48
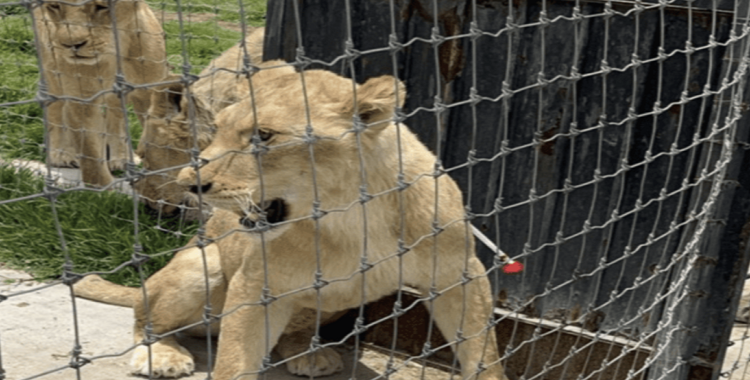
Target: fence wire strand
641, 192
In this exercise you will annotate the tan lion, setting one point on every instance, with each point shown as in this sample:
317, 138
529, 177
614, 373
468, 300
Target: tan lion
365, 235
177, 297
168, 133
79, 57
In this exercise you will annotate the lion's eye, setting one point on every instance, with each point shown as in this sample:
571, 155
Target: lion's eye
53, 7
100, 7
264, 135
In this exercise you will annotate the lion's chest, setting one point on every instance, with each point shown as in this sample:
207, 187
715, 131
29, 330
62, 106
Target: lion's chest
339, 276
357, 284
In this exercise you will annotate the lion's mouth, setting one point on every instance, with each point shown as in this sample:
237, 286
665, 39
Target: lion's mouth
83, 59
86, 54
266, 216
79, 56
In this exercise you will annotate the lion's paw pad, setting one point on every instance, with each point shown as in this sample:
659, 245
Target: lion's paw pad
323, 362
166, 361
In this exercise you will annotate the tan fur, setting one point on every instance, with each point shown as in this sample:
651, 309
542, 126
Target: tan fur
293, 250
176, 298
168, 134
79, 60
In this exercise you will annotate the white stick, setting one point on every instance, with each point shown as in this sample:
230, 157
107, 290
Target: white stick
491, 245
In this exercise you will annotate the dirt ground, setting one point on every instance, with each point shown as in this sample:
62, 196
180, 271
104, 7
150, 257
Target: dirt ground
37, 335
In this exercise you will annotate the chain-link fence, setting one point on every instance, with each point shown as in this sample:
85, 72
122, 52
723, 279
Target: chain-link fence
600, 143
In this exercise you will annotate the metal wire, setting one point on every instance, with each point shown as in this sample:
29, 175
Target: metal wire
660, 198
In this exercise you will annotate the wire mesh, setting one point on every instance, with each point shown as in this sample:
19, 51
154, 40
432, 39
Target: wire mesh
591, 140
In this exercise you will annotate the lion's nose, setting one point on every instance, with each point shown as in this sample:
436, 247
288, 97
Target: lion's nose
75, 46
203, 189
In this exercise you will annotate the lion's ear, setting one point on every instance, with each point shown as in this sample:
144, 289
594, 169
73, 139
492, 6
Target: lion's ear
377, 100
166, 101
203, 118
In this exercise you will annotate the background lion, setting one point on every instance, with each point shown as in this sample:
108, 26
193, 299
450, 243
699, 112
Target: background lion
176, 111
79, 60
344, 212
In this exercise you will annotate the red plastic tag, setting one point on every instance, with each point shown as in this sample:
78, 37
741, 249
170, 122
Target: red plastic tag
512, 268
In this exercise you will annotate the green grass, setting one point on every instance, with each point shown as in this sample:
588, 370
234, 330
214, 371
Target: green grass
223, 10
203, 42
97, 228
21, 128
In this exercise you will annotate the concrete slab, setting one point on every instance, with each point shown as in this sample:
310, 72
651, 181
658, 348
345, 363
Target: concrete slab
37, 335
738, 354
737, 360
743, 310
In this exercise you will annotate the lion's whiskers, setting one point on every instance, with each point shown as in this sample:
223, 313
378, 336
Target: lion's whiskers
245, 201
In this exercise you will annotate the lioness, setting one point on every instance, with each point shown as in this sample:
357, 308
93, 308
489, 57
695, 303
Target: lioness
177, 298
340, 216
168, 131
79, 57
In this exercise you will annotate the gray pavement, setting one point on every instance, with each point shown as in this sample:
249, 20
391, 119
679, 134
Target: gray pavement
737, 359
37, 335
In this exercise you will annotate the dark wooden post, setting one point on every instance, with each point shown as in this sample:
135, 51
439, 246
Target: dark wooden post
529, 108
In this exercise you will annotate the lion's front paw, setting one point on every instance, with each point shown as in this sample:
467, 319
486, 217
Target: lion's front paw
63, 158
118, 154
323, 362
166, 361
118, 164
121, 163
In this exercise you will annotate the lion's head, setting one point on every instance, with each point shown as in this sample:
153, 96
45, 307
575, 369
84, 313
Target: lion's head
80, 31
266, 165
176, 111
174, 120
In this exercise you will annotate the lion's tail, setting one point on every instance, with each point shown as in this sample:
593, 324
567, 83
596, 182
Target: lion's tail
95, 288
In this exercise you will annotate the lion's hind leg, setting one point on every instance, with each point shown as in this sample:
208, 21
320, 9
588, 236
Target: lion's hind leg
176, 297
